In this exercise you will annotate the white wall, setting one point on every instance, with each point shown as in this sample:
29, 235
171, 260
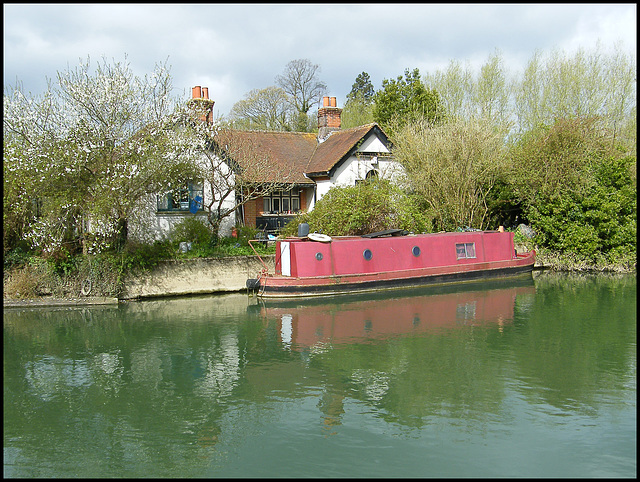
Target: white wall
148, 225
355, 168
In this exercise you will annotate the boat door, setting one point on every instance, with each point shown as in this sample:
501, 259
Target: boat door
285, 258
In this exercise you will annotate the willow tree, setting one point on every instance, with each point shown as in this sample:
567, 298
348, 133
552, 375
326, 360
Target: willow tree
453, 167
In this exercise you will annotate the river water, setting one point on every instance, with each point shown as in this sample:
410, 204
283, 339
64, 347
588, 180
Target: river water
533, 377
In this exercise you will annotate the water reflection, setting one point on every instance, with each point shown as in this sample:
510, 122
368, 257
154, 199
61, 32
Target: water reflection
317, 324
213, 386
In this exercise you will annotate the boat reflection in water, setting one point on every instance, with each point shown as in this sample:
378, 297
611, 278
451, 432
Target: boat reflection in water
360, 318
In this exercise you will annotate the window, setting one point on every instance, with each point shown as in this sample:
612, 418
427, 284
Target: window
465, 250
189, 197
282, 202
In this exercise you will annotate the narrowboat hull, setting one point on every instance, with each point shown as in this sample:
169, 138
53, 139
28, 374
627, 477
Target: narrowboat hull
306, 268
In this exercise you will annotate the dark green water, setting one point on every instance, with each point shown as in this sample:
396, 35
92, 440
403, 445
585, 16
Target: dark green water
531, 378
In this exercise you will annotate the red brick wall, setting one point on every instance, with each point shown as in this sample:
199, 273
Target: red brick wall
329, 117
251, 211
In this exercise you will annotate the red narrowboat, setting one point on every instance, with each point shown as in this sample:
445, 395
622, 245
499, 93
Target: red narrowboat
319, 265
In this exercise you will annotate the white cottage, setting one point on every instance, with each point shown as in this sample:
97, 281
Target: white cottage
333, 157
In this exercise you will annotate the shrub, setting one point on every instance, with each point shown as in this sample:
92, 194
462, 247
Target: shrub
191, 229
22, 283
140, 256
368, 207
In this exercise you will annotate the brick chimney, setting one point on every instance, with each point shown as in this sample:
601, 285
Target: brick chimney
328, 118
200, 101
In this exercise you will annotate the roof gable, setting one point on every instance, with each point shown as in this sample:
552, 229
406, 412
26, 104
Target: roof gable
339, 146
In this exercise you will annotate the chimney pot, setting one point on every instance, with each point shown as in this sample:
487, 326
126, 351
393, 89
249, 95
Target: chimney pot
325, 101
333, 102
196, 92
205, 92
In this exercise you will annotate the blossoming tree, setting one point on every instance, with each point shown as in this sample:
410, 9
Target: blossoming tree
78, 158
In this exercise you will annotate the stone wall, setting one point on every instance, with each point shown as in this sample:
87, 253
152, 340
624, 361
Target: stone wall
197, 276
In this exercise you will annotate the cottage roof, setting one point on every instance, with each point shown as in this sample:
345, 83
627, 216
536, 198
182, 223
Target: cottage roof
300, 153
289, 151
335, 148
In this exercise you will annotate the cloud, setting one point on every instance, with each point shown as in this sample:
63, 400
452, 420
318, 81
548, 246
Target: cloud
233, 48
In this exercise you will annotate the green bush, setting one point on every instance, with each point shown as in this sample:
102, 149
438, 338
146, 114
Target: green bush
367, 207
193, 230
17, 257
141, 256
600, 222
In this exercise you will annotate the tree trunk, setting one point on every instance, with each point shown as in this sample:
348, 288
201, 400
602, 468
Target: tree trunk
122, 231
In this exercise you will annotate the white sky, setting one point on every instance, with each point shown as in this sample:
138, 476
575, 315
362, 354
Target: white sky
234, 48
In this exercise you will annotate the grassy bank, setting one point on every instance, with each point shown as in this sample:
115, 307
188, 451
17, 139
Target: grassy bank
27, 276
103, 275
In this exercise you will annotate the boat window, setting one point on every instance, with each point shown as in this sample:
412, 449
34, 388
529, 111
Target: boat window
367, 254
416, 251
465, 250
319, 256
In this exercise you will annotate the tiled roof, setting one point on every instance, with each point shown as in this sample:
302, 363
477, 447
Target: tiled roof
290, 151
335, 148
300, 152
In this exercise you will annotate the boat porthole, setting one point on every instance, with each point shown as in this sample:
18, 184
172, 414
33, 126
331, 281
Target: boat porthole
416, 251
367, 254
319, 256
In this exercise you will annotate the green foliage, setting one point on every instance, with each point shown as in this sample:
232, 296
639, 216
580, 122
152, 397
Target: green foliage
356, 112
17, 257
578, 192
405, 100
503, 207
452, 167
137, 257
368, 207
191, 229
362, 89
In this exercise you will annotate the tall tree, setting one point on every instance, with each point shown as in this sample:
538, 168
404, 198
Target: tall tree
300, 81
406, 99
465, 95
264, 109
455, 86
358, 109
587, 84
492, 91
362, 89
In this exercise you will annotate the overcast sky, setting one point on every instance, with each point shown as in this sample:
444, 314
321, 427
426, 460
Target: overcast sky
235, 48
